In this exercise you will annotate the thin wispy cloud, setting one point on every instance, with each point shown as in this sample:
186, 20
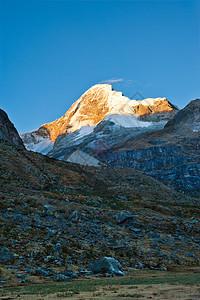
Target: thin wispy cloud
129, 87
124, 82
112, 80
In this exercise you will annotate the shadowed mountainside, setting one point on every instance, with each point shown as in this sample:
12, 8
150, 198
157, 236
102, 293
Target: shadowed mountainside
8, 131
171, 155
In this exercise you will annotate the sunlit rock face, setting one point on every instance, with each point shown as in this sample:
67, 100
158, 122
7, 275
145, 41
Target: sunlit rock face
8, 131
96, 104
99, 101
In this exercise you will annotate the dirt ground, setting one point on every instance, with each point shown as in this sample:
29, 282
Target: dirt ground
156, 291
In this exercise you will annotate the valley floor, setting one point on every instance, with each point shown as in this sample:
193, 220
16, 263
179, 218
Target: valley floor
138, 285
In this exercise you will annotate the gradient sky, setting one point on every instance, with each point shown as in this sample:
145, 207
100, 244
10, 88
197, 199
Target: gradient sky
53, 51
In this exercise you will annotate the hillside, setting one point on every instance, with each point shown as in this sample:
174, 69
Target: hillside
57, 215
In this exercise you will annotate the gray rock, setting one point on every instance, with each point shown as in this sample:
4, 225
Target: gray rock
49, 258
75, 216
84, 272
122, 197
136, 230
27, 280
107, 265
61, 277
123, 217
69, 273
42, 271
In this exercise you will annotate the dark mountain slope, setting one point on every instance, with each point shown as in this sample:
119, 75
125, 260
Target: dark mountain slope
171, 155
25, 170
8, 131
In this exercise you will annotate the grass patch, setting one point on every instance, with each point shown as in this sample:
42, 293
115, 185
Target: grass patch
66, 294
91, 285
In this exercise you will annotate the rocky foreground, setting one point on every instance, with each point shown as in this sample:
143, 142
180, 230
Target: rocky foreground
60, 221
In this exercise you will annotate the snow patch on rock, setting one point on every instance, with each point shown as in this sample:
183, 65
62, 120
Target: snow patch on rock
37, 143
127, 121
85, 130
82, 158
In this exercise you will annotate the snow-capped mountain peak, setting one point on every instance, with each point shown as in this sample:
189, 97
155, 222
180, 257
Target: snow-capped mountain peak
96, 104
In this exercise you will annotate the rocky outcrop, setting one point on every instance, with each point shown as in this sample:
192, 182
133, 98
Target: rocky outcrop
8, 131
177, 166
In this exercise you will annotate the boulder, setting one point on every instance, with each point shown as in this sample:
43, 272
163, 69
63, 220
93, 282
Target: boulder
123, 217
108, 266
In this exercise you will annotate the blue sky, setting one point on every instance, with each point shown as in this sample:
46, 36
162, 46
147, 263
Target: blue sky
53, 51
